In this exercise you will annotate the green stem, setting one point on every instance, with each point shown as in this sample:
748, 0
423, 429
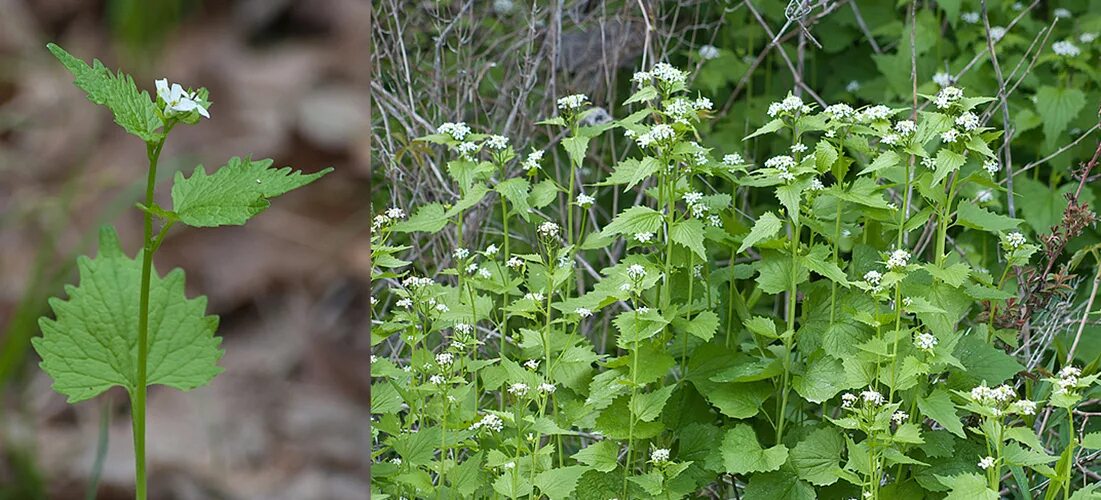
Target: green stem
137, 396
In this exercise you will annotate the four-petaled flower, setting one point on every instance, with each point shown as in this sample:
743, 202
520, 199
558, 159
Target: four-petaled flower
178, 100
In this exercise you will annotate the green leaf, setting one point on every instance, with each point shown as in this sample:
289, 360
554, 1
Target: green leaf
817, 260
776, 274
789, 196
817, 458
689, 234
134, 110
820, 382
465, 478
559, 483
427, 219
766, 227
938, 406
967, 487
634, 220
575, 148
947, 161
1058, 107
703, 326
516, 190
233, 194
984, 362
824, 156
647, 407
631, 172
601, 455
91, 346
779, 485
742, 453
1092, 441
767, 128
975, 217
886, 159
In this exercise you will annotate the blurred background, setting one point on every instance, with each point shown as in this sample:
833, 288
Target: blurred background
289, 416
350, 84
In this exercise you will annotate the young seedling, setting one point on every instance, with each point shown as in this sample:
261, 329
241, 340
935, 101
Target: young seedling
125, 325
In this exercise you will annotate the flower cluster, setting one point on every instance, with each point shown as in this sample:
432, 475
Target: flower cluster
1065, 48
489, 421
791, 105
898, 260
387, 217
947, 97
657, 134
458, 131
572, 102
925, 341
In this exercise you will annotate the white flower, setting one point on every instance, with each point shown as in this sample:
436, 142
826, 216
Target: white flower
732, 159
509, 465
659, 455
533, 159
532, 364
942, 79
873, 277
890, 139
703, 104
657, 133
839, 111
534, 296
549, 229
899, 258
970, 17
947, 96
584, 200
463, 328
790, 104
489, 421
518, 389
968, 120
405, 303
1025, 407
436, 379
572, 102
514, 262
497, 142
852, 86
667, 74
905, 127
491, 250
950, 135
395, 213
874, 113
848, 399
457, 131
461, 253
816, 185
442, 308
444, 358
715, 220
176, 99
641, 77
1015, 239
466, 149
1070, 371
693, 197
547, 388
899, 417
892, 205
873, 397
798, 147
984, 196
644, 237
1087, 37
1062, 13
636, 271
997, 33
782, 162
1065, 48
986, 463
925, 341
708, 52
472, 268
583, 312
991, 167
